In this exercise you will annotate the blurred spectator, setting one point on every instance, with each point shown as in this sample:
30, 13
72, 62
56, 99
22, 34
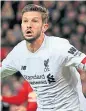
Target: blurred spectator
36, 2
23, 96
4, 52
49, 4
6, 90
84, 48
80, 29
5, 26
66, 30
56, 31
60, 5
55, 16
11, 40
20, 7
74, 39
17, 32
82, 18
82, 9
12, 107
7, 12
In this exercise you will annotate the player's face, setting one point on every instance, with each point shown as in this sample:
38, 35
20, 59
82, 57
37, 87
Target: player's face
32, 26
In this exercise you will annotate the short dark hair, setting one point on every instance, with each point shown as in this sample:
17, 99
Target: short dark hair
33, 7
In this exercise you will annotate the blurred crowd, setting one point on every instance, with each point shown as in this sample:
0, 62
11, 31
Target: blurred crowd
67, 20
11, 86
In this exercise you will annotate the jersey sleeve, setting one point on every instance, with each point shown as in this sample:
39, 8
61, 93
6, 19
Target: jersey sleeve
74, 57
9, 65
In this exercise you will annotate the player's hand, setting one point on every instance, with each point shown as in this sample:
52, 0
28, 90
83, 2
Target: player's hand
32, 97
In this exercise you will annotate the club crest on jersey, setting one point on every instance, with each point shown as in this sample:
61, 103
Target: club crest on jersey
50, 78
46, 64
23, 67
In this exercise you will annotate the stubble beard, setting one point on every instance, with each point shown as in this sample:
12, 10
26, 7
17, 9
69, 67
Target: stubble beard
31, 40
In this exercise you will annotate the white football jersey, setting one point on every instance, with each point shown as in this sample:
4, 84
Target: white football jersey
48, 71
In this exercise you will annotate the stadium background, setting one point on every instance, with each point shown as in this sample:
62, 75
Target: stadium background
67, 20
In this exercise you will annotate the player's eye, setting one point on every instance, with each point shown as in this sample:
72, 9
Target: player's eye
25, 20
34, 20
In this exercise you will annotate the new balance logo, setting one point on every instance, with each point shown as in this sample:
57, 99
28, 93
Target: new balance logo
46, 62
23, 67
50, 78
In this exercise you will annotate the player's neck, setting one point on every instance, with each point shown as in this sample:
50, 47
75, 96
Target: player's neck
34, 46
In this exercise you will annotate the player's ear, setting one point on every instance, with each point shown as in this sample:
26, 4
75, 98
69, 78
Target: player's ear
45, 27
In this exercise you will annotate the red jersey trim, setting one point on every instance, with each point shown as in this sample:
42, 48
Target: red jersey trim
83, 61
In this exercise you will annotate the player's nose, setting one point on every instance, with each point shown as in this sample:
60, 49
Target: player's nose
29, 25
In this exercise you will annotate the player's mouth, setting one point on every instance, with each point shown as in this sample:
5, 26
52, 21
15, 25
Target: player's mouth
28, 33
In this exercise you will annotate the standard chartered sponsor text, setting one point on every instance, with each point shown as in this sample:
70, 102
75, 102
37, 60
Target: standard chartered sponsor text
38, 82
36, 79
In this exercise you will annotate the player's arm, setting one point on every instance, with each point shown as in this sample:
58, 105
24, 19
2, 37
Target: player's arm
83, 81
8, 65
74, 57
